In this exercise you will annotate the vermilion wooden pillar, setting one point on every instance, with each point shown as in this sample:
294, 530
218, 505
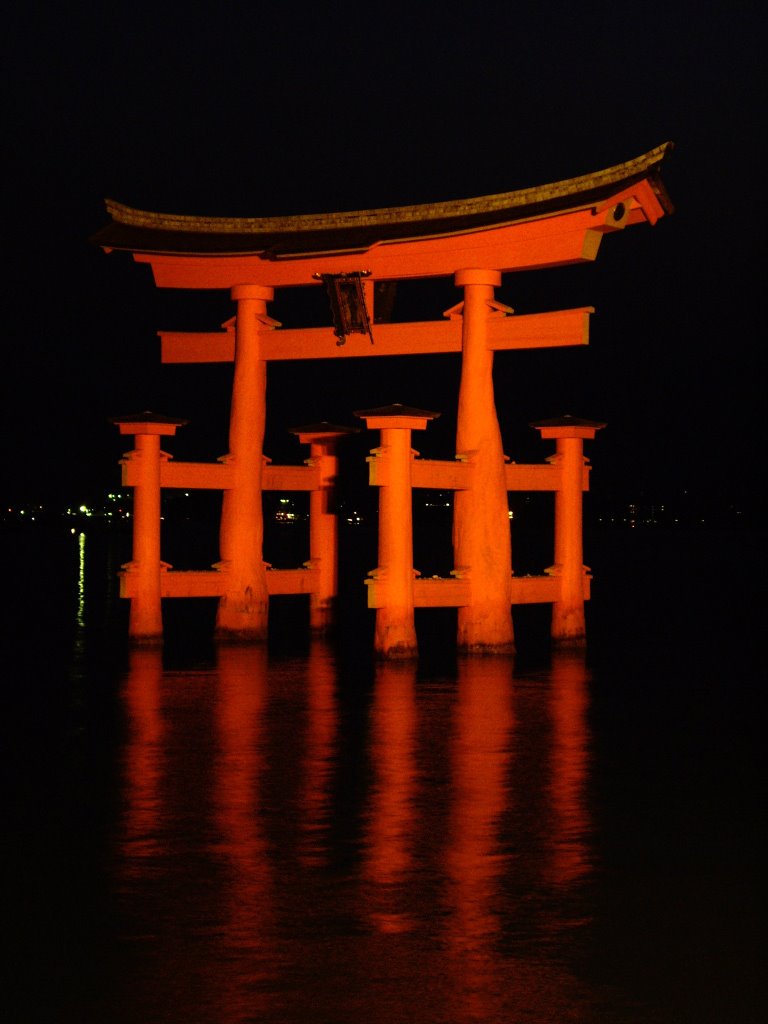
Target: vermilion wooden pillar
390, 471
323, 439
244, 609
568, 624
481, 535
145, 623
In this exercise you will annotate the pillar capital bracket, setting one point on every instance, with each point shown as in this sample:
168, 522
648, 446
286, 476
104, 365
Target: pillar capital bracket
477, 276
253, 291
498, 309
147, 423
568, 427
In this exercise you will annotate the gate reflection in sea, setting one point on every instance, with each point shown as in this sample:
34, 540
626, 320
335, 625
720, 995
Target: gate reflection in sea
286, 856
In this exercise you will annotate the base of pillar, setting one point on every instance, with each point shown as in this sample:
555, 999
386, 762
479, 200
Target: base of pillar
492, 650
485, 630
240, 636
568, 625
400, 652
322, 621
329, 632
241, 618
395, 635
569, 642
145, 639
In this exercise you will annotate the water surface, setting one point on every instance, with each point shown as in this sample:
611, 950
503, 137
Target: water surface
295, 833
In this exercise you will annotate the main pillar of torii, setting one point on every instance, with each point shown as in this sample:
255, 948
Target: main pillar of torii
481, 536
243, 610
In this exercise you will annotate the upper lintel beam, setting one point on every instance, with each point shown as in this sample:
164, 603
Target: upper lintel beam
555, 240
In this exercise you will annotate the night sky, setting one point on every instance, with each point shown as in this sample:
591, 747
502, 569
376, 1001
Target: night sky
250, 109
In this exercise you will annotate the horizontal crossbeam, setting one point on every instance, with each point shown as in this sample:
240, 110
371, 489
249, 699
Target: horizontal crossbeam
538, 476
215, 582
430, 337
452, 592
217, 476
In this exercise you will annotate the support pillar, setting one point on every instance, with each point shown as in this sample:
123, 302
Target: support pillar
243, 610
390, 471
481, 534
323, 439
569, 432
145, 623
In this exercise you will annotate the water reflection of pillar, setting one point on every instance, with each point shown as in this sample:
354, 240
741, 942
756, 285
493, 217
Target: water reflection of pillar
143, 756
568, 768
390, 823
238, 766
320, 750
480, 758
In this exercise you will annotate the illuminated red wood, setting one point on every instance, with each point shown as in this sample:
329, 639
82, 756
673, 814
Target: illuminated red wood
446, 592
473, 240
292, 581
451, 592
142, 574
568, 623
197, 346
540, 330
393, 579
190, 476
441, 475
218, 476
215, 583
569, 237
533, 477
323, 524
243, 609
291, 478
183, 583
435, 474
145, 624
481, 533
534, 330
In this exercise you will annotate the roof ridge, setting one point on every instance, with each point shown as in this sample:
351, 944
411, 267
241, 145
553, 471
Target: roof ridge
639, 166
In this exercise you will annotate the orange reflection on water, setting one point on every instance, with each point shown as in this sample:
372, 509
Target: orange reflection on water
238, 763
319, 753
568, 767
480, 755
144, 754
389, 836
474, 864
246, 910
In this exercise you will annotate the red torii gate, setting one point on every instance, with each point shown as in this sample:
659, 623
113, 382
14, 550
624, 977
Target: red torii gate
473, 240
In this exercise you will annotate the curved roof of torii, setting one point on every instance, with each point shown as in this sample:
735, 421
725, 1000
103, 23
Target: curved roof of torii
271, 238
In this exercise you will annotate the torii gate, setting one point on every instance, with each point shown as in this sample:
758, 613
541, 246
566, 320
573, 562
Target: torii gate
473, 240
